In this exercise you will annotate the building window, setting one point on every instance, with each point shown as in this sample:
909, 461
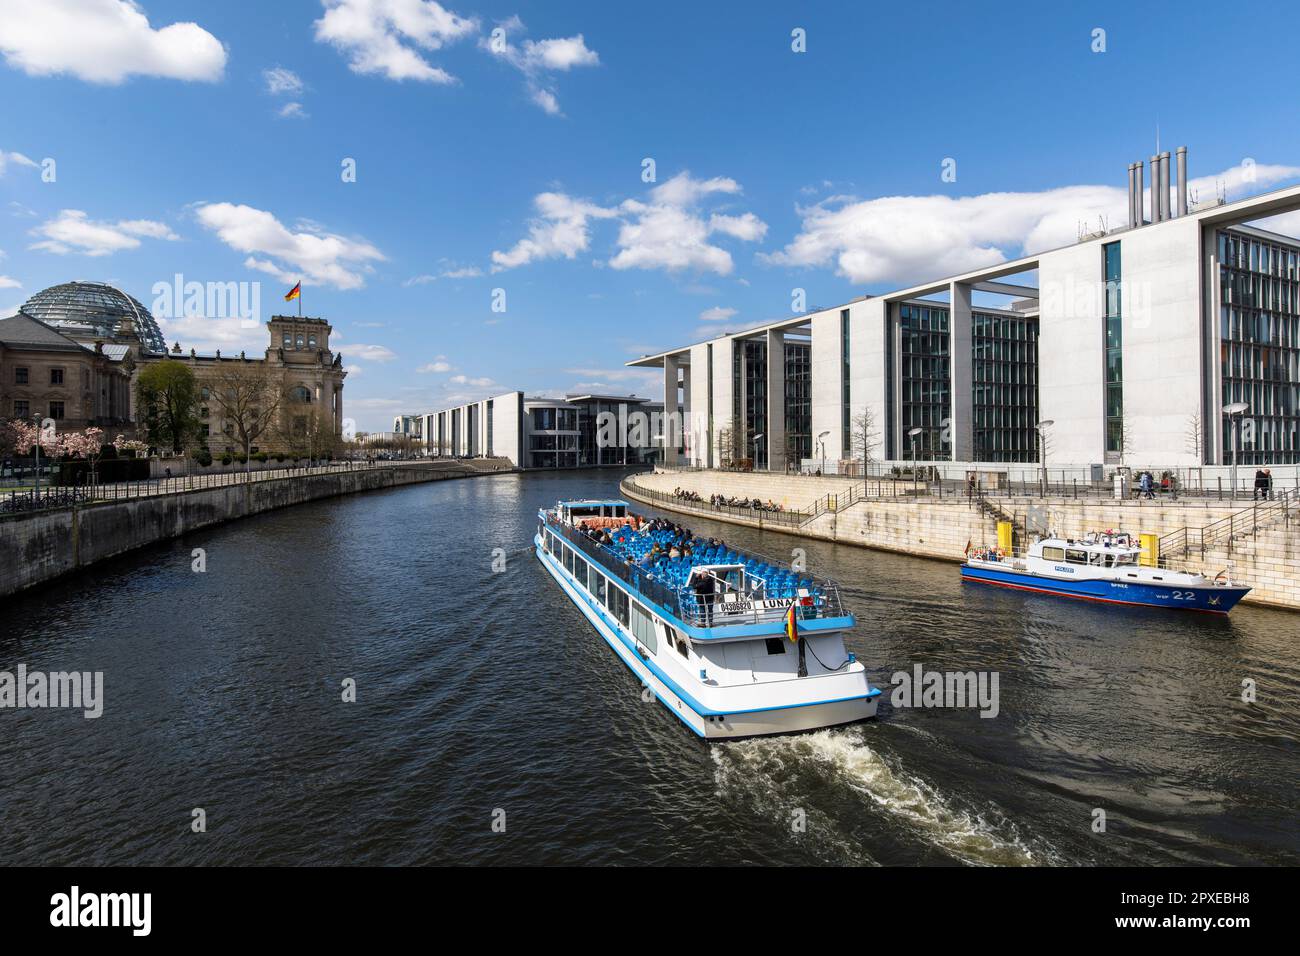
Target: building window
1114, 332
1004, 387
20, 375
203, 412
56, 376
287, 341
846, 411
311, 341
1259, 349
56, 410
22, 408
299, 341
926, 379
300, 394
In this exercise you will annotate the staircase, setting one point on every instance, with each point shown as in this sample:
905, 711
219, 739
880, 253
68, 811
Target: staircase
1226, 532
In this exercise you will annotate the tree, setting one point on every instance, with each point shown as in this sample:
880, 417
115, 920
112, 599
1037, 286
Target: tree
732, 446
249, 399
310, 432
864, 436
169, 398
1195, 436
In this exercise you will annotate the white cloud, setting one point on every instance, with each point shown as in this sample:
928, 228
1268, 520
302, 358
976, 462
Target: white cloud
312, 254
104, 41
72, 231
370, 353
476, 382
668, 232
560, 229
230, 334
7, 283
716, 314
537, 59
18, 159
282, 82
292, 110
386, 36
900, 239
438, 365
465, 272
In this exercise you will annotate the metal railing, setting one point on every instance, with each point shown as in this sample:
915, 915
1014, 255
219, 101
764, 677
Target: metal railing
784, 517
683, 603
1235, 527
65, 496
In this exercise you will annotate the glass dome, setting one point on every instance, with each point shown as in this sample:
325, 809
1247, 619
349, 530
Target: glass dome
93, 310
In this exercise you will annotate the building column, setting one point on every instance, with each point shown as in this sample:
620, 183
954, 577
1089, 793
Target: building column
670, 430
961, 422
775, 437
688, 436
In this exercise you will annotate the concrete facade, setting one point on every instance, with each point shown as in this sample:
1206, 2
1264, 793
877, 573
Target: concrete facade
1170, 298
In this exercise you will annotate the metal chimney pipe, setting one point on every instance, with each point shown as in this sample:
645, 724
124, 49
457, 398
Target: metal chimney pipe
1182, 180
1164, 186
1155, 188
1130, 196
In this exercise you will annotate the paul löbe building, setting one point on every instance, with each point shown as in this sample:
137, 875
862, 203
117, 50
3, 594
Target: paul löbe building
1130, 343
543, 433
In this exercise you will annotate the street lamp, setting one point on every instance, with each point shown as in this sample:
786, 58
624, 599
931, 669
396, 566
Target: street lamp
37, 420
1234, 411
821, 440
912, 433
1042, 449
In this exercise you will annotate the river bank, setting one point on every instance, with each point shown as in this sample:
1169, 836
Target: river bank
1263, 556
38, 547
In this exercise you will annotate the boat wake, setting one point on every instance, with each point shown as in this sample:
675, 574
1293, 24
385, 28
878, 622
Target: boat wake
777, 774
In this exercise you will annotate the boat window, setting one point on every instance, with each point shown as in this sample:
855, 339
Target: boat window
592, 577
1110, 560
1125, 559
1075, 556
617, 603
643, 628
776, 645
1053, 554
580, 567
683, 648
599, 589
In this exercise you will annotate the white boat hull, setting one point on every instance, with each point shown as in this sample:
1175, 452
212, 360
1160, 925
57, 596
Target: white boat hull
755, 723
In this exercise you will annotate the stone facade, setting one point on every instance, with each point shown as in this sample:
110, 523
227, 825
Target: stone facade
1268, 561
46, 374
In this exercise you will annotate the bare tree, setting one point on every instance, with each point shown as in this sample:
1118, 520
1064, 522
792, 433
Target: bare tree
732, 446
1195, 436
249, 399
864, 437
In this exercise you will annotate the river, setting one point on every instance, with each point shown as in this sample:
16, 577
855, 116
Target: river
492, 725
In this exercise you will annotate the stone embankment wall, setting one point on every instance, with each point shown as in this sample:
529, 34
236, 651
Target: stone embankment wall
35, 548
1268, 561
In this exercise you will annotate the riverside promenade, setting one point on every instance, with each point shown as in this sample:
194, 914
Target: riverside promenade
67, 530
1259, 542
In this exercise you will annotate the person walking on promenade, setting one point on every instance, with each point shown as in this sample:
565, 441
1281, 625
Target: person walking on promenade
1261, 485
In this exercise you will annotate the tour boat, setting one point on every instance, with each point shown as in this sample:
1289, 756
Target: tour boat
731, 643
1102, 567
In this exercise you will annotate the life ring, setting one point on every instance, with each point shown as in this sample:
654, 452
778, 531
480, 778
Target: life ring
1220, 575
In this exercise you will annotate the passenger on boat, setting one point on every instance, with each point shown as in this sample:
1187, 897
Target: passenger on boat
704, 595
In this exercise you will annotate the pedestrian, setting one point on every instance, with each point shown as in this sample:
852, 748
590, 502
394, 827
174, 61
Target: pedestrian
1268, 484
1261, 485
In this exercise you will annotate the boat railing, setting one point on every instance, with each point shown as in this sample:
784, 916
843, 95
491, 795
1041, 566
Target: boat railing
822, 599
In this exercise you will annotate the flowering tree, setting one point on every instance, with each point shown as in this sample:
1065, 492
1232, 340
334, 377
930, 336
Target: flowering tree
137, 448
27, 435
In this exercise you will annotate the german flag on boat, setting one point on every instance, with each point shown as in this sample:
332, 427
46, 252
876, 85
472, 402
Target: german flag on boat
792, 623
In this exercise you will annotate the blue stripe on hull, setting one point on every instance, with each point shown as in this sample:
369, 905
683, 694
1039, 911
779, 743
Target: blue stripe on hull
1213, 600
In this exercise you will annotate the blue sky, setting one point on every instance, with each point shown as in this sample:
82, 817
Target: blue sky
519, 166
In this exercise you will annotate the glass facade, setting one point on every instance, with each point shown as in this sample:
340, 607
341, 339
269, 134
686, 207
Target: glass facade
1259, 346
1114, 274
1004, 387
925, 377
846, 409
756, 401
798, 403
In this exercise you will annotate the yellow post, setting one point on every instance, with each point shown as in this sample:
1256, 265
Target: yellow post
1004, 536
1150, 557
